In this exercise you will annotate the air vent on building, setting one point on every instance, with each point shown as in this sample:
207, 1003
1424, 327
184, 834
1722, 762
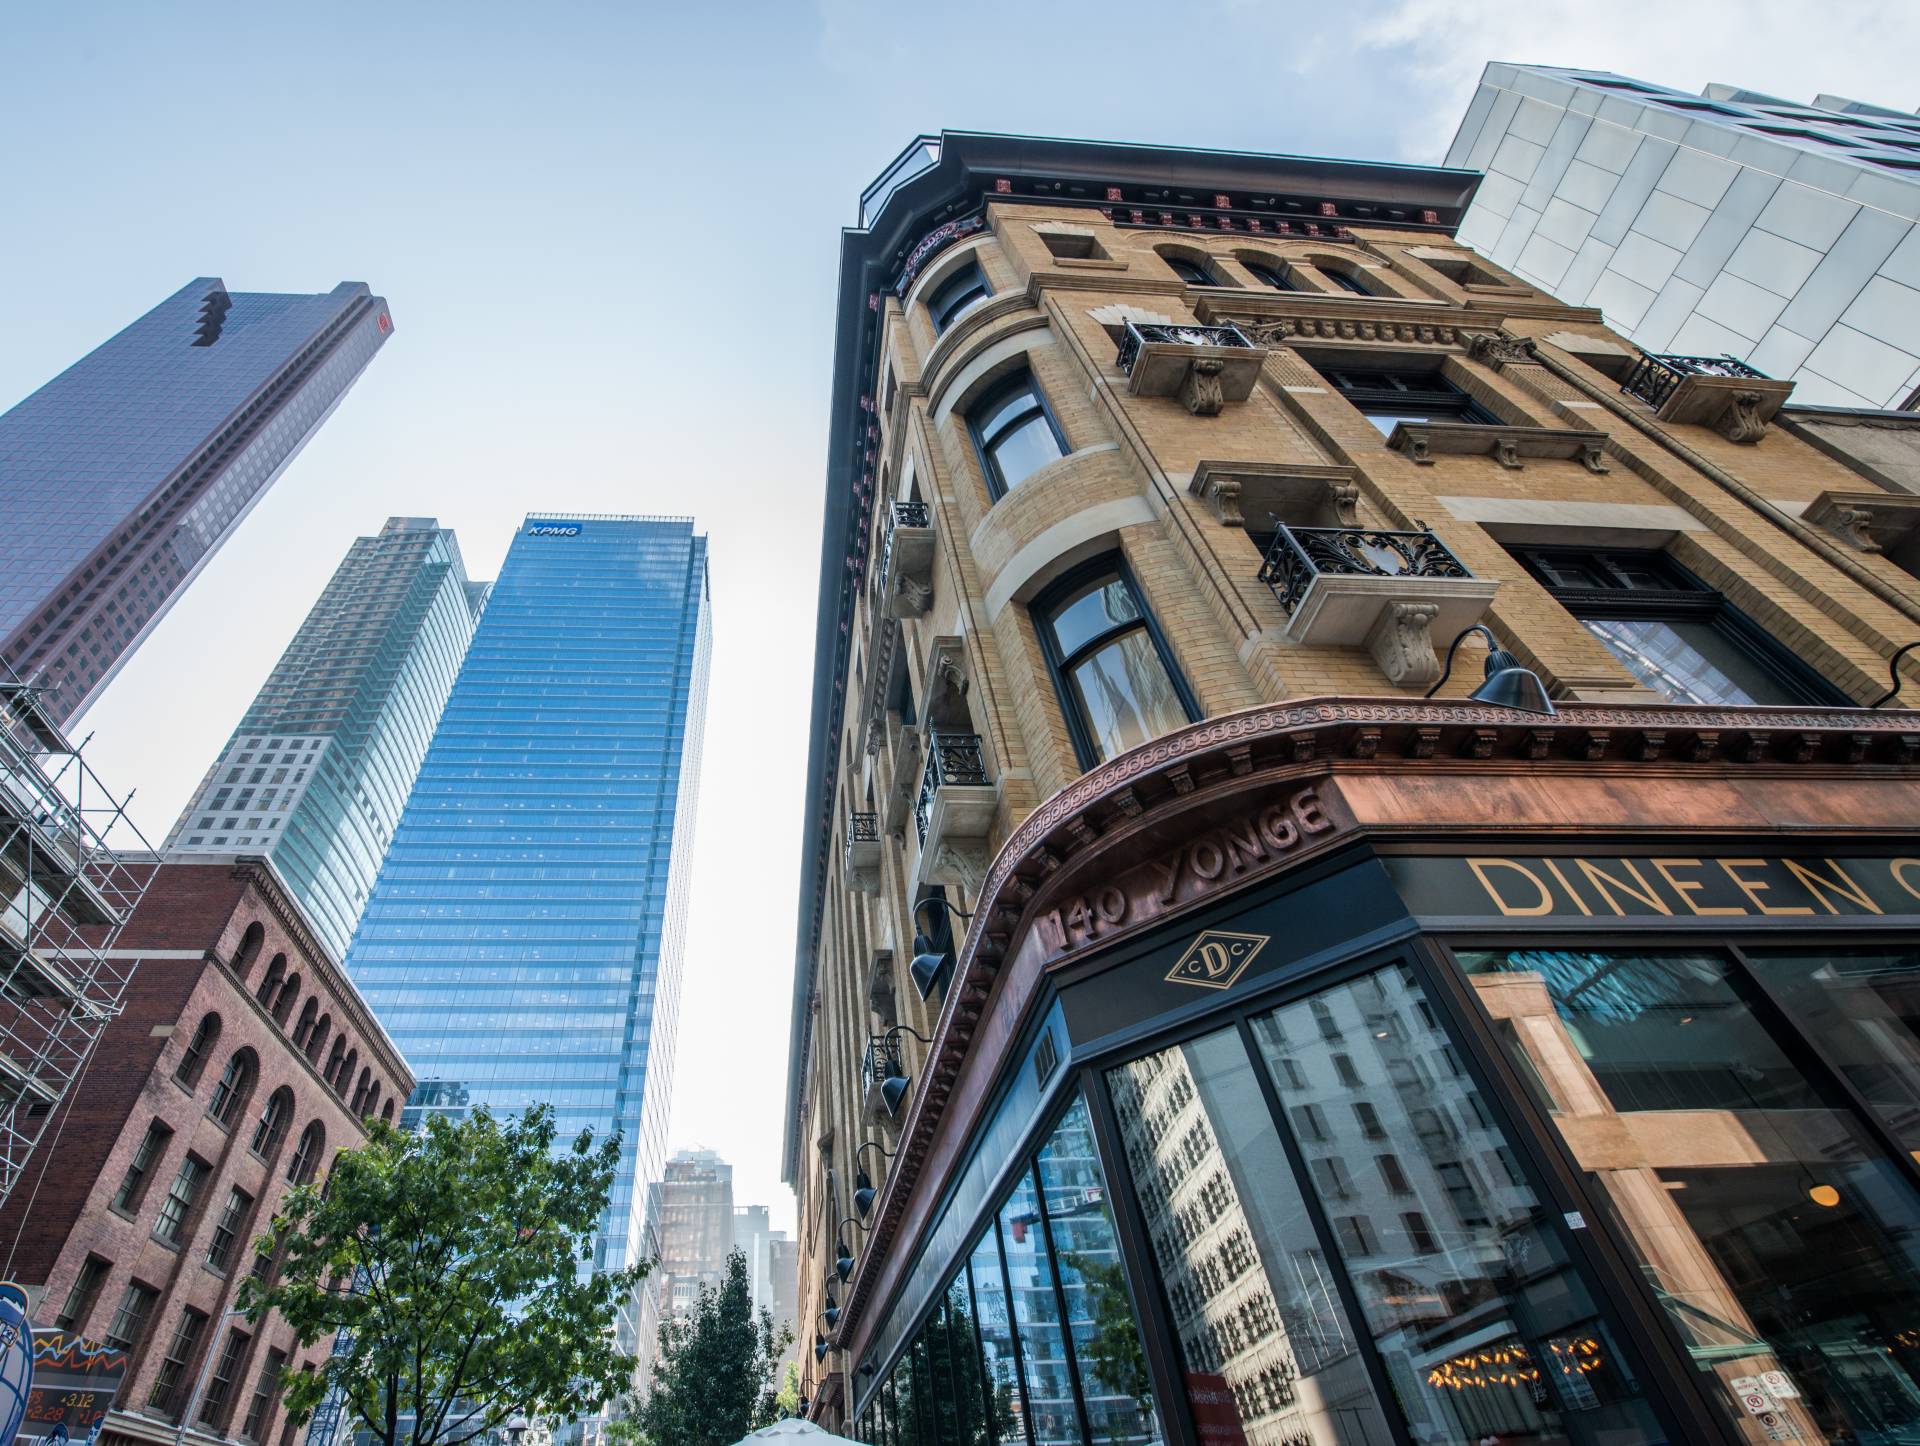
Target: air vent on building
213, 313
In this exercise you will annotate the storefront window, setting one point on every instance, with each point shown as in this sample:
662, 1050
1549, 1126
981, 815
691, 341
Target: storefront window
907, 1406
996, 1341
1036, 1313
1106, 1340
1267, 1352
1781, 1240
1485, 1328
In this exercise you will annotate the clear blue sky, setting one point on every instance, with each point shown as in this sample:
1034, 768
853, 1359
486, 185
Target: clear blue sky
608, 233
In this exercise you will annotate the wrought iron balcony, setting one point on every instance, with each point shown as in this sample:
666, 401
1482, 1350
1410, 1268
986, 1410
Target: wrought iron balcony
1388, 591
863, 852
1300, 554
1655, 378
1204, 366
953, 760
906, 560
1722, 392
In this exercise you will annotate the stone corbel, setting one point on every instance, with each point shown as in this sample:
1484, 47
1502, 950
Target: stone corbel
1870, 521
946, 700
1301, 495
1402, 643
1499, 351
1742, 420
1202, 392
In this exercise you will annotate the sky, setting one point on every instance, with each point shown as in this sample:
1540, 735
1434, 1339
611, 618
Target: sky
608, 234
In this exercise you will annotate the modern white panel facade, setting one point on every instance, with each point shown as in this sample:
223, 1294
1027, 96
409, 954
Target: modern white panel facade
1727, 223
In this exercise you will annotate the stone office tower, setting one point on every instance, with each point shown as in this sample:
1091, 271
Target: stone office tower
1310, 1059
316, 774
121, 476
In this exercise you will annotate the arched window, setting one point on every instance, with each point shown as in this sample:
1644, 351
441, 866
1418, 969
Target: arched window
305, 1026
1273, 273
289, 992
270, 986
236, 1083
1346, 280
965, 289
331, 1074
249, 950
1194, 273
386, 1112
205, 1035
274, 1119
360, 1092
318, 1040
373, 1099
1114, 673
1014, 433
306, 1155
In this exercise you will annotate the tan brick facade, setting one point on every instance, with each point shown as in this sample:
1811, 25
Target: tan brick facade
1728, 511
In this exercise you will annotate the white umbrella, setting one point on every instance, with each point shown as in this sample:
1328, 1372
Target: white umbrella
792, 1430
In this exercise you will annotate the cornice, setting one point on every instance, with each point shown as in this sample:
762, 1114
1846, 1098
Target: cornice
1314, 736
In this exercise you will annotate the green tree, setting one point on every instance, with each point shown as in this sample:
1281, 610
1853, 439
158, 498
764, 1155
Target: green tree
787, 1399
459, 1257
1114, 1352
715, 1378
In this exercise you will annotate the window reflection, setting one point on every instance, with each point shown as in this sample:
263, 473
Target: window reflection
1780, 1240
1036, 1309
1479, 1318
995, 1329
1267, 1352
1106, 1341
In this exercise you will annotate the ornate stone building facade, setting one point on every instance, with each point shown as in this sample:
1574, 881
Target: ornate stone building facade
1202, 1034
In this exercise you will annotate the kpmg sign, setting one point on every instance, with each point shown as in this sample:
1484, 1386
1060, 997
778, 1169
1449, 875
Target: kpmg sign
553, 529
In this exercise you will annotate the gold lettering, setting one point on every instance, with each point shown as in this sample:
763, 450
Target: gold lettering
1843, 885
1896, 867
1243, 845
1510, 910
1687, 888
1752, 888
1306, 808
1600, 878
1578, 902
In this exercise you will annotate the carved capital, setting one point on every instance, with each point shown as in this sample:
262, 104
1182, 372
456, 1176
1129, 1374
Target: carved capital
1402, 643
1201, 392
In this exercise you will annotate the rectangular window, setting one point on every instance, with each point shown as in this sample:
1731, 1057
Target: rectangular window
82, 1294
1001, 1384
168, 1395
133, 1185
264, 1393
1369, 1120
1673, 633
1809, 1232
1388, 398
129, 1324
220, 1381
1043, 1346
1392, 1176
181, 1194
226, 1230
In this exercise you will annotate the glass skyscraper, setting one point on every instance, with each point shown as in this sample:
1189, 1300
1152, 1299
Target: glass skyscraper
121, 476
317, 772
523, 941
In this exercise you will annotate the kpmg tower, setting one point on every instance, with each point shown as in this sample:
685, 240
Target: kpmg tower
121, 476
523, 941
317, 772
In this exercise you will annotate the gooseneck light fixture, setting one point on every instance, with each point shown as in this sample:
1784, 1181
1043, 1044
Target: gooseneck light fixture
930, 964
843, 1262
1893, 677
1508, 685
894, 1086
831, 1315
863, 1191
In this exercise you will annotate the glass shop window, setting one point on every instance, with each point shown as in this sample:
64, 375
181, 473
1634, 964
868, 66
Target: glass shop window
1045, 1370
995, 1328
1479, 1318
1781, 1239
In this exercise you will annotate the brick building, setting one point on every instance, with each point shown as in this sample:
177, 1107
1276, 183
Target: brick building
1310, 1060
241, 1063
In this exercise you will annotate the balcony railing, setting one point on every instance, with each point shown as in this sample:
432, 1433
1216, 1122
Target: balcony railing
1140, 334
1300, 554
1653, 380
863, 828
952, 758
906, 560
881, 1060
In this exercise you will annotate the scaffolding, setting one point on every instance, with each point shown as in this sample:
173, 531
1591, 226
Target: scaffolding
72, 868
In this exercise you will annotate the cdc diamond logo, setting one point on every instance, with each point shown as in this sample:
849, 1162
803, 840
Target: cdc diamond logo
1216, 958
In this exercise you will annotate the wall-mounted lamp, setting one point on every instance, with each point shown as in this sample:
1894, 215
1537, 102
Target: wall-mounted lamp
843, 1262
831, 1315
894, 1087
1508, 685
863, 1191
1893, 677
820, 1347
929, 963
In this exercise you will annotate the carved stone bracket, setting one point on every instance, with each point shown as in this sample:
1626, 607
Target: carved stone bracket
1499, 351
1507, 445
1738, 408
1402, 643
1870, 521
1201, 391
880, 997
946, 702
1308, 495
